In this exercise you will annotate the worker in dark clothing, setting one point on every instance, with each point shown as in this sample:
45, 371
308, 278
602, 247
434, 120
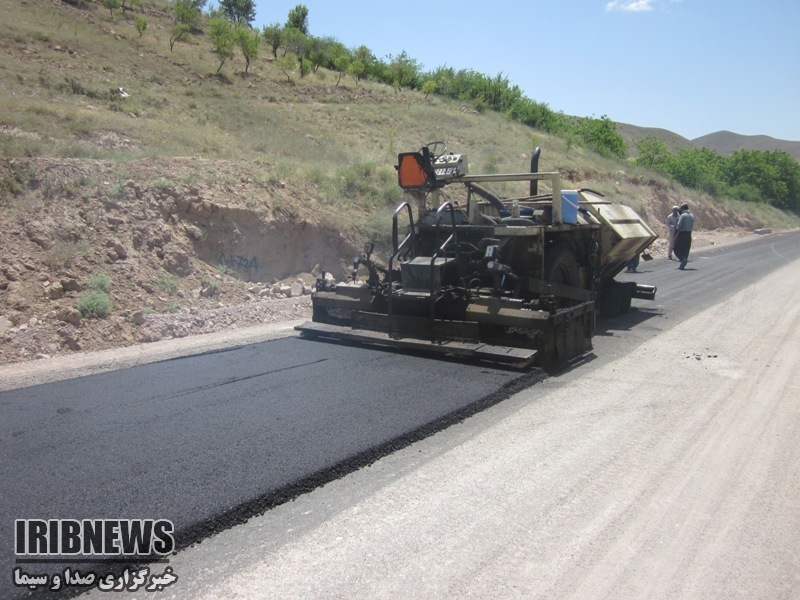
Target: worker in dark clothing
683, 236
633, 264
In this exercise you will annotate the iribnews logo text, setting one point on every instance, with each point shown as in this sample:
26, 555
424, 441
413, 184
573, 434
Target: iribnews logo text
93, 537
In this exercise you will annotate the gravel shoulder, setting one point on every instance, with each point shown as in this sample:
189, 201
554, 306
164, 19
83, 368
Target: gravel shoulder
17, 375
671, 472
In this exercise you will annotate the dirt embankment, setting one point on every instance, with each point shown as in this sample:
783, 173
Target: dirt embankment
179, 247
186, 246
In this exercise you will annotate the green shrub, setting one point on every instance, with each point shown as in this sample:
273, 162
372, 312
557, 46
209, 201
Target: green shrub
116, 190
209, 281
100, 282
94, 304
167, 283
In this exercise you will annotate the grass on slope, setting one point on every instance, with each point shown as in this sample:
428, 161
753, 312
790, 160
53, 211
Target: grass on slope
63, 64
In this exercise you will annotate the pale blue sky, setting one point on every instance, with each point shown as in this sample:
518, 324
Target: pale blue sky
691, 66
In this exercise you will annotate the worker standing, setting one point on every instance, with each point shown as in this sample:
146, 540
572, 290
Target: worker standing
683, 236
672, 221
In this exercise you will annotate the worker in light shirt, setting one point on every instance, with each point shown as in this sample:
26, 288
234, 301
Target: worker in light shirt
672, 221
683, 236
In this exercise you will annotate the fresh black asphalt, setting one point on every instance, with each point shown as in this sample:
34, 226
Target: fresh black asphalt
207, 441
210, 440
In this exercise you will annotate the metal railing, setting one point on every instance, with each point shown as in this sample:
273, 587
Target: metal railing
442, 249
397, 248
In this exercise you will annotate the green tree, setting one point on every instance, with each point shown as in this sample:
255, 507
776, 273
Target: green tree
361, 63
140, 23
403, 71
112, 5
538, 115
775, 175
340, 60
298, 19
187, 13
247, 39
653, 153
273, 36
179, 31
223, 38
429, 87
294, 41
287, 64
698, 168
241, 12
321, 51
305, 66
601, 136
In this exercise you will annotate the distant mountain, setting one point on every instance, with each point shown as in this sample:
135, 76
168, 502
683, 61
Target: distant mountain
633, 133
727, 142
722, 142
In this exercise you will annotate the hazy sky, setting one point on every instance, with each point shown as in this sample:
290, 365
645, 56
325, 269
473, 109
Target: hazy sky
691, 66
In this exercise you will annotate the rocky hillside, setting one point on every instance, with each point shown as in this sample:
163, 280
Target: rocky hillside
156, 248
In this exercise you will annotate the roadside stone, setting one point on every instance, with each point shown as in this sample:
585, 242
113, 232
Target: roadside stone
17, 302
55, 291
69, 315
5, 324
68, 338
296, 289
177, 263
114, 222
117, 250
69, 284
194, 232
37, 234
11, 273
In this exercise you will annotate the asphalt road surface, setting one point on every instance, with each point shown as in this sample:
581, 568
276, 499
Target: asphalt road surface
208, 441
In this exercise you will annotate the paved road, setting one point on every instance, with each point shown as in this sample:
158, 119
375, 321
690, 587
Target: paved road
710, 277
210, 440
668, 471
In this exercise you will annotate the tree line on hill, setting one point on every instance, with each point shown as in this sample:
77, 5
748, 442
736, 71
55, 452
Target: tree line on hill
753, 176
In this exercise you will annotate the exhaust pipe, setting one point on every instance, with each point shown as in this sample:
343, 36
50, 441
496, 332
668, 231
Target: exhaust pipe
535, 169
644, 292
